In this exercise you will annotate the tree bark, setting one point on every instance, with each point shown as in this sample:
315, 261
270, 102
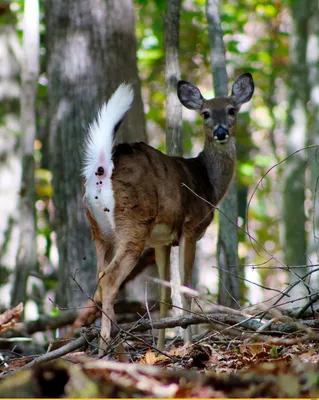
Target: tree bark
91, 50
174, 145
10, 157
313, 76
227, 247
296, 138
27, 254
219, 71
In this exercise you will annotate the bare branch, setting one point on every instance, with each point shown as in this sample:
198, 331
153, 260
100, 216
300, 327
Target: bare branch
86, 337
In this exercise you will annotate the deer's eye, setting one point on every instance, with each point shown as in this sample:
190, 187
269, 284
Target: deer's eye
205, 114
232, 111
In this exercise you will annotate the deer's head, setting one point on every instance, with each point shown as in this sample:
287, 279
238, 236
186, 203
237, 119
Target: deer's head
219, 114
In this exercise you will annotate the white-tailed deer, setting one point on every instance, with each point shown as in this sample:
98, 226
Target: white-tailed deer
137, 197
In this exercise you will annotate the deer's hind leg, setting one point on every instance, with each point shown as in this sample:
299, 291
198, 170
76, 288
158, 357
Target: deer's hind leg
131, 237
105, 251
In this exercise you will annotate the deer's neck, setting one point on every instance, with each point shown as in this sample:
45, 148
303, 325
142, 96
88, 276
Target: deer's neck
219, 161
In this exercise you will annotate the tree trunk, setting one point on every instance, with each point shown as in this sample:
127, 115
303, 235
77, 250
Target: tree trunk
313, 76
27, 254
296, 136
174, 145
10, 160
91, 50
227, 247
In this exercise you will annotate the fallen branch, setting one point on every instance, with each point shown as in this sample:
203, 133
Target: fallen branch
295, 312
46, 322
67, 317
184, 321
310, 302
222, 317
85, 338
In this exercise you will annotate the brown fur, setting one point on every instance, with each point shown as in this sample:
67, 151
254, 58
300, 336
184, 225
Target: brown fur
140, 194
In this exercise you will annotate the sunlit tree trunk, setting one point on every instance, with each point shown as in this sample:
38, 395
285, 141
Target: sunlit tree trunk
296, 138
313, 76
174, 145
91, 50
227, 251
172, 75
10, 160
27, 253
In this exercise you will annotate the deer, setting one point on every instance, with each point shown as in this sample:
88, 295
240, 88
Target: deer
137, 197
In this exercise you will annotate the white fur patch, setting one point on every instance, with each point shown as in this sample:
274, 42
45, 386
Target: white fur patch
100, 198
98, 164
99, 141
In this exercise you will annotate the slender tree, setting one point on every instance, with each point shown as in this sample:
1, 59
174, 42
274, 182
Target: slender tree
227, 251
168, 259
10, 157
174, 145
296, 138
91, 50
313, 76
27, 253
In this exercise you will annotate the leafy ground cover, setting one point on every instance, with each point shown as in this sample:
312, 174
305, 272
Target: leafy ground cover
230, 362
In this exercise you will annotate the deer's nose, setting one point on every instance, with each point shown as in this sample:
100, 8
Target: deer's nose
221, 133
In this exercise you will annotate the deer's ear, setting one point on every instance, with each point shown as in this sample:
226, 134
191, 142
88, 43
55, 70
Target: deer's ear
189, 95
243, 89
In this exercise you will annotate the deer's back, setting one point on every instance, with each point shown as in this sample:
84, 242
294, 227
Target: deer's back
165, 192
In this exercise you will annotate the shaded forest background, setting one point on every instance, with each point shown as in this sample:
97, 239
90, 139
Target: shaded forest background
81, 62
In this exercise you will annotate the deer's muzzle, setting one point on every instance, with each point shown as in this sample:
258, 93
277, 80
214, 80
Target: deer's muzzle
221, 134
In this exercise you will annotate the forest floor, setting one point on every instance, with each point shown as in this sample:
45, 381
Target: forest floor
231, 359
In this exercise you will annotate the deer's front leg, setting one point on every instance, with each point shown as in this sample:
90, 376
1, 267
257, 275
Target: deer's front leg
162, 257
187, 249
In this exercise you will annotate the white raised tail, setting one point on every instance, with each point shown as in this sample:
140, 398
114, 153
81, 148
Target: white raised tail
99, 141
98, 164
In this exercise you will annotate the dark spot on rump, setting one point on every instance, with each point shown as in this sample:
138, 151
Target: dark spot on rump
100, 171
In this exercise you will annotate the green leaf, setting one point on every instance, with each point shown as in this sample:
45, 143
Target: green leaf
246, 169
274, 353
